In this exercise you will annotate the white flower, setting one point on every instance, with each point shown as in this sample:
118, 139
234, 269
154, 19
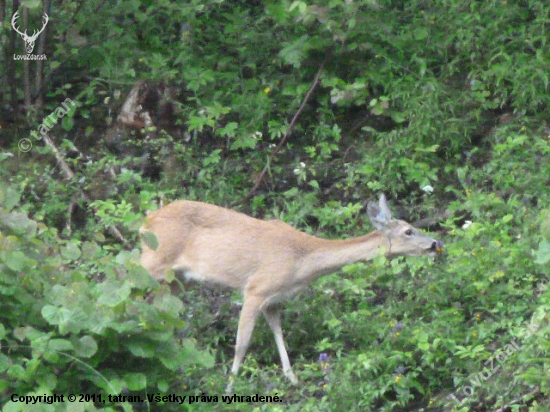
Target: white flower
300, 168
428, 189
467, 224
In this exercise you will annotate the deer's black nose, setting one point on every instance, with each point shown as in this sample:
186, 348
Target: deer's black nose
437, 246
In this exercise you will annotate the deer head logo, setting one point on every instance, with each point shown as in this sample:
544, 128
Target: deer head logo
29, 40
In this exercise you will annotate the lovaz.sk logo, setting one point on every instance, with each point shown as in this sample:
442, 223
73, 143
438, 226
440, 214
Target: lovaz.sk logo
29, 40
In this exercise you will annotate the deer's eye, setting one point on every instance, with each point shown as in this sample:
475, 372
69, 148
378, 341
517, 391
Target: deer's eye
408, 232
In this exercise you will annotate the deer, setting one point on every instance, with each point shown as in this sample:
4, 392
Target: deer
267, 260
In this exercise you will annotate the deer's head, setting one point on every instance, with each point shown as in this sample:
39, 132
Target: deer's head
403, 239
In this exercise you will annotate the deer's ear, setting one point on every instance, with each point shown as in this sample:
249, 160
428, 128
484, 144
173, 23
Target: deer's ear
379, 214
383, 203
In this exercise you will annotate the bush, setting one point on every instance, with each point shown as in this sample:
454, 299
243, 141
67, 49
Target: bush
442, 105
75, 319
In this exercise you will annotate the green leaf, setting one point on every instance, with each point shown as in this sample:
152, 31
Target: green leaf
244, 142
78, 320
507, 218
28, 332
150, 239
302, 6
124, 327
124, 256
19, 222
116, 386
163, 385
67, 123
16, 371
54, 315
397, 117
174, 358
140, 278
295, 52
90, 250
85, 347
71, 251
60, 345
543, 253
169, 303
47, 381
423, 343
113, 293
11, 197
429, 149
421, 33
135, 381
16, 260
171, 359
142, 348
198, 357
4, 362
228, 130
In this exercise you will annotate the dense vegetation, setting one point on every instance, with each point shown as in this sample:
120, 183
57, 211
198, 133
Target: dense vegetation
441, 105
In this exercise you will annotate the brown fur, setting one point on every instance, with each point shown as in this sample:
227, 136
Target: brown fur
269, 261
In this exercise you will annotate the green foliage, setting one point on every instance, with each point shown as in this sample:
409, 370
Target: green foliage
75, 319
442, 105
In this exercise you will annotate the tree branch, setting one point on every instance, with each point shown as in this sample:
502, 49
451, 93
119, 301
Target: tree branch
286, 136
69, 174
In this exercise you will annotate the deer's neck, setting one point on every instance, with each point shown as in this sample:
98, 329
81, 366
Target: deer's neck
328, 256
